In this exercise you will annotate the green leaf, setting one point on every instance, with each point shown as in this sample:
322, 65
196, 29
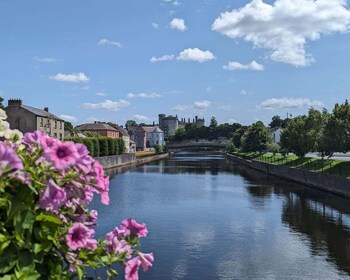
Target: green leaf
48, 218
4, 242
8, 259
44, 246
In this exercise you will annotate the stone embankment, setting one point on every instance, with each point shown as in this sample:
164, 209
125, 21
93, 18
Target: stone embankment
128, 159
330, 183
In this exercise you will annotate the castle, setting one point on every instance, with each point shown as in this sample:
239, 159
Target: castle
169, 124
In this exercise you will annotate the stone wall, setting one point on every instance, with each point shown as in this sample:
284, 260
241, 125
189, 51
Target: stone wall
125, 159
331, 183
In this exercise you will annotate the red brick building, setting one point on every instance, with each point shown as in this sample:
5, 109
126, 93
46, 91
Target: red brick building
102, 129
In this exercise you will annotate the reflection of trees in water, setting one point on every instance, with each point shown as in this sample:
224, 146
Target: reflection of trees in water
317, 215
326, 234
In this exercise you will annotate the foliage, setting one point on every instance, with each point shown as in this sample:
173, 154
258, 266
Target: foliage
121, 145
256, 138
103, 141
213, 123
159, 149
46, 228
112, 146
1, 105
68, 126
273, 148
231, 148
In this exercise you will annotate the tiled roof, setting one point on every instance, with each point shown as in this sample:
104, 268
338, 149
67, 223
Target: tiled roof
150, 129
122, 130
41, 113
95, 126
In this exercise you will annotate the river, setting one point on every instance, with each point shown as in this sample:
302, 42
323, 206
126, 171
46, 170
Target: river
208, 220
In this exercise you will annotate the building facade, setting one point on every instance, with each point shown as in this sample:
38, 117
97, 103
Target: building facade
126, 137
276, 134
154, 136
29, 119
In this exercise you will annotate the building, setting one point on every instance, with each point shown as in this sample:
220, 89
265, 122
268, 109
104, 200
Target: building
99, 128
276, 134
169, 124
29, 119
139, 136
126, 137
154, 136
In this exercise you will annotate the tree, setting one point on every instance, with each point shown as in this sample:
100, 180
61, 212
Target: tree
256, 138
213, 123
130, 123
276, 122
1, 105
68, 126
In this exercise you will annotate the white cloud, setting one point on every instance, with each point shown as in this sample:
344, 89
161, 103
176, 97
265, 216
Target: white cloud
107, 105
107, 42
141, 118
71, 78
226, 108
285, 26
179, 24
202, 105
155, 25
100, 93
244, 92
196, 54
181, 108
162, 58
46, 59
233, 65
69, 118
289, 103
144, 95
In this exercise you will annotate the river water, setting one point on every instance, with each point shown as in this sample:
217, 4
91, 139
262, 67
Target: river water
208, 220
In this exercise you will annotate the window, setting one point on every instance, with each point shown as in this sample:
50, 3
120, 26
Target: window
41, 122
61, 138
55, 135
61, 125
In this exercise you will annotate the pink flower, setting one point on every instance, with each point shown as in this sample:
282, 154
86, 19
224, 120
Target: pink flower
85, 160
53, 197
146, 260
33, 138
9, 159
135, 229
62, 155
80, 236
117, 246
132, 269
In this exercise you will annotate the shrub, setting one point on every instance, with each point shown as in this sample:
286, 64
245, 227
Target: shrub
103, 141
159, 149
46, 227
111, 146
120, 143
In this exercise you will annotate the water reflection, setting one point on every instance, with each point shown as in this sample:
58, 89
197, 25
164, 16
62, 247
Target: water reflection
208, 220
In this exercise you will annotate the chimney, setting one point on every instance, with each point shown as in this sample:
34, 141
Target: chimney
15, 102
46, 109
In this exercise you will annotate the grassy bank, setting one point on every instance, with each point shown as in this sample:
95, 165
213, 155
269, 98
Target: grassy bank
329, 166
145, 153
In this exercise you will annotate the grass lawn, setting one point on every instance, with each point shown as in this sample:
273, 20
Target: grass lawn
145, 153
330, 166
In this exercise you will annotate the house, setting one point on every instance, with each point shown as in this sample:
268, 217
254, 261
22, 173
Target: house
29, 119
154, 135
276, 134
99, 128
139, 136
126, 137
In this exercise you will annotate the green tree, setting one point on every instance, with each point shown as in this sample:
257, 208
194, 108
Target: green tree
256, 138
276, 122
213, 123
68, 126
1, 105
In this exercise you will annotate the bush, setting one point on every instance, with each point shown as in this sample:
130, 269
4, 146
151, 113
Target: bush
231, 148
273, 148
96, 145
103, 141
120, 143
111, 146
159, 149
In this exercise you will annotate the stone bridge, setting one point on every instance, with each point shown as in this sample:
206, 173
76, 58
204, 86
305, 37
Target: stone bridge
193, 145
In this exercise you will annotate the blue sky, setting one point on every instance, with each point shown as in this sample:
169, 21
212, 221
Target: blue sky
117, 60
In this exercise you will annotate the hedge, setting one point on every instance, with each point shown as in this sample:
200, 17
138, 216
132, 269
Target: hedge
100, 146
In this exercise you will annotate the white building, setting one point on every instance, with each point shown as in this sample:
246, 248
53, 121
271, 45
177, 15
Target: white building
276, 134
154, 136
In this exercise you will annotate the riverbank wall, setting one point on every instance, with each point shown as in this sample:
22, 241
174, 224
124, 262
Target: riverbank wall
326, 182
128, 159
